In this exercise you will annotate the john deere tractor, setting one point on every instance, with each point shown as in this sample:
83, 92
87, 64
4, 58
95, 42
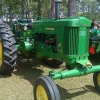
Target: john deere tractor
94, 41
61, 39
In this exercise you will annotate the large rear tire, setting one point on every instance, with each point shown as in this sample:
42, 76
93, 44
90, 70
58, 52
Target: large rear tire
96, 80
7, 49
45, 89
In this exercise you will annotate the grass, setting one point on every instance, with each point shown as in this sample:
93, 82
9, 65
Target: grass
19, 85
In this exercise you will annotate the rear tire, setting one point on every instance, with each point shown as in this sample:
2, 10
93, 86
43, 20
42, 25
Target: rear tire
45, 89
96, 80
7, 49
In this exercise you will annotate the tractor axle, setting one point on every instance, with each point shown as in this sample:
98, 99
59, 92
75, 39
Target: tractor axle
74, 72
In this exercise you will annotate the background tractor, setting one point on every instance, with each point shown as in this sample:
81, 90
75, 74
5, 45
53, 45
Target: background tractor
22, 29
94, 41
61, 39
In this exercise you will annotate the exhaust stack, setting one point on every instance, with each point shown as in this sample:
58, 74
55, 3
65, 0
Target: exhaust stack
57, 8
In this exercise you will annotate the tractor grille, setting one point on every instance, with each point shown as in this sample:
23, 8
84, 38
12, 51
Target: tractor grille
71, 41
87, 40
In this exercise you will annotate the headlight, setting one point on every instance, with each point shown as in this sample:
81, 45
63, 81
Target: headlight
25, 28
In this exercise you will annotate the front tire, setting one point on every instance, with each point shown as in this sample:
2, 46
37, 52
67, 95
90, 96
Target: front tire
45, 89
96, 80
7, 49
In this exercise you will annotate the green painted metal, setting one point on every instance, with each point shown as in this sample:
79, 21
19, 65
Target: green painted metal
72, 36
18, 28
27, 33
95, 32
65, 40
74, 72
23, 35
17, 47
26, 46
69, 22
94, 40
98, 48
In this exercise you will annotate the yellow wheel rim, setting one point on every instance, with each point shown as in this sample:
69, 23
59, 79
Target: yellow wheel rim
98, 79
0, 53
41, 93
49, 58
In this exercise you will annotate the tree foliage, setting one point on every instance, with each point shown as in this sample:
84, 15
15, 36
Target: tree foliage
46, 8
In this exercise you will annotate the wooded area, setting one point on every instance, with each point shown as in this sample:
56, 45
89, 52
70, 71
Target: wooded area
45, 8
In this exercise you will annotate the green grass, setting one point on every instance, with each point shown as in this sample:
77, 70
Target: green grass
19, 85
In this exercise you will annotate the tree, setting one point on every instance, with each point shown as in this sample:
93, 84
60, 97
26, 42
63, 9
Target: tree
22, 8
89, 9
39, 8
1, 7
71, 7
46, 8
52, 11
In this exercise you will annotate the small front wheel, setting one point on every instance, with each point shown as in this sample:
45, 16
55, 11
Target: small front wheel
96, 80
45, 89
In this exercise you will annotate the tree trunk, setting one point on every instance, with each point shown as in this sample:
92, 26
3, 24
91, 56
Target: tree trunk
28, 9
39, 8
71, 7
22, 8
52, 12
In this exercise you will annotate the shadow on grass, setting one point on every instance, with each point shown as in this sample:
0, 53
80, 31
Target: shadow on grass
32, 69
69, 94
92, 89
5, 76
66, 95
29, 70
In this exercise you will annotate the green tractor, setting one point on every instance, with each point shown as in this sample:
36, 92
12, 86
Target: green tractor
22, 28
23, 32
94, 41
65, 40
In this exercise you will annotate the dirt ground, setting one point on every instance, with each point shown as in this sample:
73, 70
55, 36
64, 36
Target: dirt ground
19, 85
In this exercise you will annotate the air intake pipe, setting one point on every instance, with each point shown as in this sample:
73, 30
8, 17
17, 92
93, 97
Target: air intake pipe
57, 8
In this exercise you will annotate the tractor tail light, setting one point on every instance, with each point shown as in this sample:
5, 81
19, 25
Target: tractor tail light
92, 50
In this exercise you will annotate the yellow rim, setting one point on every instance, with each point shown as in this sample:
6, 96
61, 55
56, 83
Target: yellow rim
0, 53
98, 79
41, 93
49, 58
